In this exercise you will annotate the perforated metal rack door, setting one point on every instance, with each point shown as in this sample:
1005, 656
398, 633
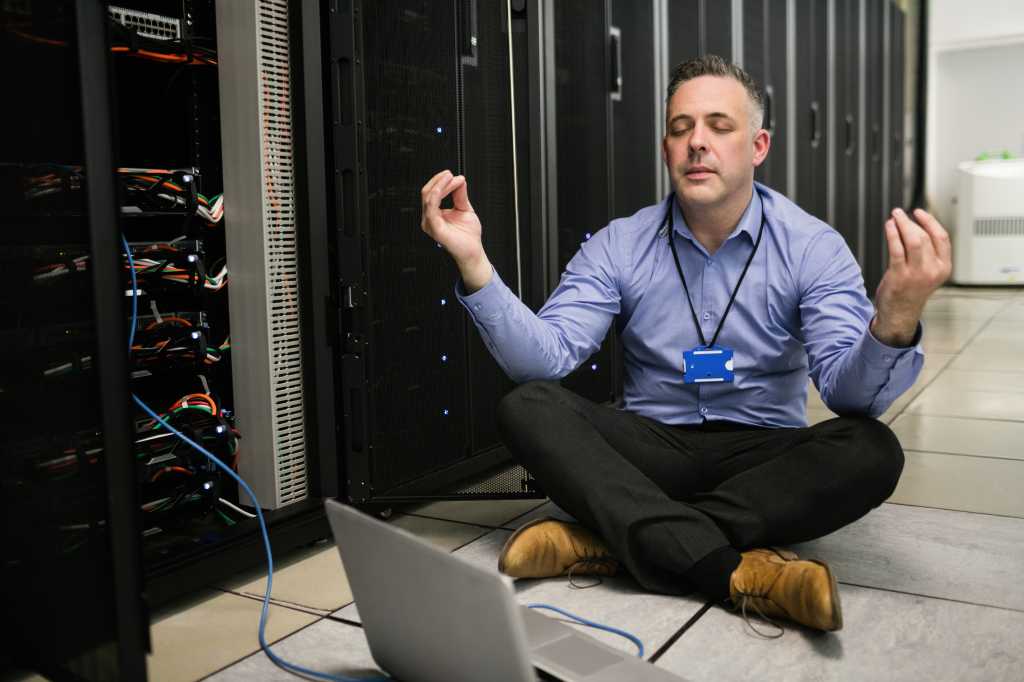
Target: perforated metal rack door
584, 147
417, 88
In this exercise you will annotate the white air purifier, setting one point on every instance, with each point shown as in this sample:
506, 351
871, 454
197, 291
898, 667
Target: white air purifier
988, 236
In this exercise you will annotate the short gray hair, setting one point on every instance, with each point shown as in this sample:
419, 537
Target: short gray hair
713, 65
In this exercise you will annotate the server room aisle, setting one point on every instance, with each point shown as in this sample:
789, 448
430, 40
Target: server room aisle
929, 580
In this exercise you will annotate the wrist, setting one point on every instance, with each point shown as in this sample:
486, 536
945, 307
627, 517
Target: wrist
475, 272
898, 332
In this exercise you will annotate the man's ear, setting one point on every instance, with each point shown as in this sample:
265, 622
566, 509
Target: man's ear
762, 143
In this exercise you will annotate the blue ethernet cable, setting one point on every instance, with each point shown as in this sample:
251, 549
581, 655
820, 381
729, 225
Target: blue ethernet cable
277, 660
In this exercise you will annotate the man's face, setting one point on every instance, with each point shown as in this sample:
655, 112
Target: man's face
709, 147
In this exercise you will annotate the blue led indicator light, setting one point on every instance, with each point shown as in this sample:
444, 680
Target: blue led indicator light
593, 367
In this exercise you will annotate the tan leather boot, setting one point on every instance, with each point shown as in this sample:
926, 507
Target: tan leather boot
778, 585
546, 548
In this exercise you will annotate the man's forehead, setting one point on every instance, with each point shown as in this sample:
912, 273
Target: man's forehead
707, 95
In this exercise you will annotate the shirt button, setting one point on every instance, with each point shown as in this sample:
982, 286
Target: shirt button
703, 410
476, 306
887, 358
710, 262
707, 316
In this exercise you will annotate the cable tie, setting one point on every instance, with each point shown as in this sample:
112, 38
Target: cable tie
156, 312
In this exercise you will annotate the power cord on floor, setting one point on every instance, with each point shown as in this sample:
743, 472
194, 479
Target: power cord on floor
277, 660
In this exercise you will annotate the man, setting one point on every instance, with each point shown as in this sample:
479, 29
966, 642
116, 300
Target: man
726, 296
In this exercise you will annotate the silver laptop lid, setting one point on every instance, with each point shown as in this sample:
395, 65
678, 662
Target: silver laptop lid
427, 614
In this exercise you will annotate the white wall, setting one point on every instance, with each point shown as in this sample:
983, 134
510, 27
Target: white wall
958, 22
975, 90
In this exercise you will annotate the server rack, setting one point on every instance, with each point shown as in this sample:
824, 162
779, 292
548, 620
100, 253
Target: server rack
764, 58
411, 89
846, 197
811, 107
897, 32
699, 27
96, 492
584, 126
636, 106
72, 577
875, 203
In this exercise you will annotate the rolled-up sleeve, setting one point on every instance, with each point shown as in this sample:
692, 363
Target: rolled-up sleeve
568, 328
855, 373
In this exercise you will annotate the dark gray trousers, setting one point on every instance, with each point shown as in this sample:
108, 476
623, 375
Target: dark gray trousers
676, 504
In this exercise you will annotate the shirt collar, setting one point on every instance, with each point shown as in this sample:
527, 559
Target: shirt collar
750, 221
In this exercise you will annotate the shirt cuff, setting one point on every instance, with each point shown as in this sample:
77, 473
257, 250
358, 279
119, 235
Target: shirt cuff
874, 353
488, 303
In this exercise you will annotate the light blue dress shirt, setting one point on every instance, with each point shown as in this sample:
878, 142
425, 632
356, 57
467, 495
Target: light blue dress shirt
801, 310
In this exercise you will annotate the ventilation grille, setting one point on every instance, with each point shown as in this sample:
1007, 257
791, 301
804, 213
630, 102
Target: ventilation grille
147, 25
282, 258
999, 227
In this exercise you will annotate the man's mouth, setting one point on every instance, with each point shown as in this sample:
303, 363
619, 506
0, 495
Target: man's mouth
698, 172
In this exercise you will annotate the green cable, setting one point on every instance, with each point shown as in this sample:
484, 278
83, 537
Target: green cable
224, 516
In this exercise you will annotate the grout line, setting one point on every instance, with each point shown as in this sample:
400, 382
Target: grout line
679, 633
964, 454
258, 651
311, 610
932, 596
346, 621
958, 511
955, 416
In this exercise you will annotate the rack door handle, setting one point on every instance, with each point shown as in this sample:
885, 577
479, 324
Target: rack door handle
851, 139
615, 38
815, 127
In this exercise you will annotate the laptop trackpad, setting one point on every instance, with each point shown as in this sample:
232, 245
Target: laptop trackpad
578, 655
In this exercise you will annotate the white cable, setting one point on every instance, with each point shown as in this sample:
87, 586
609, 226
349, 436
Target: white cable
515, 163
236, 508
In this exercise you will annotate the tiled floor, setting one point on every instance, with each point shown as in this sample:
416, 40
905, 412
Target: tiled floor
930, 581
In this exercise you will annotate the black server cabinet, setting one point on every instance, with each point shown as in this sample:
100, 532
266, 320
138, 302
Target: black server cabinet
72, 577
764, 58
699, 27
845, 111
584, 166
875, 209
897, 33
414, 88
812, 107
636, 154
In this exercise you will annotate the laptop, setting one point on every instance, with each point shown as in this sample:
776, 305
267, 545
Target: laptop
430, 615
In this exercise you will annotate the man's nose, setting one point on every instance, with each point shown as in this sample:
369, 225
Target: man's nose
698, 139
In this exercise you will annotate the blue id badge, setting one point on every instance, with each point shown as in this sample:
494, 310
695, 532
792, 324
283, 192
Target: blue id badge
707, 364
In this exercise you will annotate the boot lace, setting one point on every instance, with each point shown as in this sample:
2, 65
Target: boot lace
589, 563
751, 599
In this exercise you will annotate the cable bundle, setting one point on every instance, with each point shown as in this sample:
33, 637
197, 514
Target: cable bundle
172, 342
176, 475
159, 264
128, 42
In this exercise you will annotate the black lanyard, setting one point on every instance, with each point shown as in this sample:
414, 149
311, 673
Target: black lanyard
670, 219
